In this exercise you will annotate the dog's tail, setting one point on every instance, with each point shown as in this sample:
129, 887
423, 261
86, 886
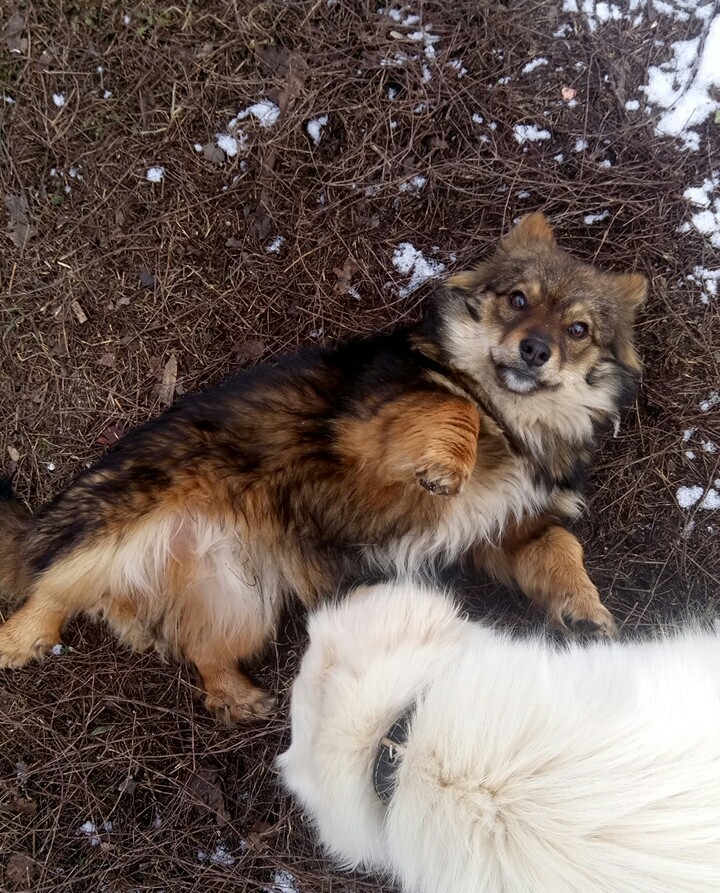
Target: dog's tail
15, 523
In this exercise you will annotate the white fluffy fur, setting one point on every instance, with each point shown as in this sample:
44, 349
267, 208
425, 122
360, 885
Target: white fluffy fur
528, 769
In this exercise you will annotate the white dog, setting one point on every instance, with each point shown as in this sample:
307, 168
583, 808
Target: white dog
457, 760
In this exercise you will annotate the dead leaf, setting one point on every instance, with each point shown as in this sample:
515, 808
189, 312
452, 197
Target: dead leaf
213, 153
107, 359
260, 224
20, 870
344, 276
257, 837
44, 62
204, 786
60, 348
249, 350
23, 806
79, 312
13, 453
166, 392
110, 434
568, 93
127, 786
16, 43
147, 279
20, 230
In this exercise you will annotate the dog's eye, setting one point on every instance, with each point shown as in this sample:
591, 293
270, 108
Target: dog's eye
578, 329
517, 300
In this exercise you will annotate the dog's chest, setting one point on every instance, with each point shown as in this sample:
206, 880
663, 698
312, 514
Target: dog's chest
489, 502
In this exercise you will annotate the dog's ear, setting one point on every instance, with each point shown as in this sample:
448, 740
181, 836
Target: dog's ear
630, 290
530, 229
466, 282
462, 290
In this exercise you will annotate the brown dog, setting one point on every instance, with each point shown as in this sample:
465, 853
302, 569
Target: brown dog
469, 432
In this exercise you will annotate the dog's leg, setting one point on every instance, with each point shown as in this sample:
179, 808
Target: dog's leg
546, 562
229, 693
34, 628
224, 618
429, 438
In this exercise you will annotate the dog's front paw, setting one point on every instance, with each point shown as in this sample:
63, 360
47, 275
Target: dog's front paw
256, 704
442, 480
16, 652
584, 614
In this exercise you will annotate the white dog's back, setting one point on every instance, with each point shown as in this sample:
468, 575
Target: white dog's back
527, 769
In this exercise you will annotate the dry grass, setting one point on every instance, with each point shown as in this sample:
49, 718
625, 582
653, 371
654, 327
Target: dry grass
180, 268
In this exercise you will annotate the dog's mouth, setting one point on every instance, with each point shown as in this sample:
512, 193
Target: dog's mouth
518, 381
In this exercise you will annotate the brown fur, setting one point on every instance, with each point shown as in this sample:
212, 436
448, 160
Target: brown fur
393, 453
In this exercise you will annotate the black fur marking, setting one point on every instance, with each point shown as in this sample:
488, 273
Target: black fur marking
6, 490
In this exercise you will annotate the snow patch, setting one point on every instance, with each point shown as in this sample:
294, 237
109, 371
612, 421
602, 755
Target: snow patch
408, 261
265, 112
536, 63
228, 143
688, 496
58, 100
632, 105
530, 133
275, 246
315, 128
155, 174
706, 197
458, 66
220, 855
415, 184
90, 832
283, 882
708, 280
712, 400
684, 86
589, 219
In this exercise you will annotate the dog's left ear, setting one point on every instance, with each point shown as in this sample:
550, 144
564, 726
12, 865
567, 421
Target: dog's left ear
630, 291
532, 229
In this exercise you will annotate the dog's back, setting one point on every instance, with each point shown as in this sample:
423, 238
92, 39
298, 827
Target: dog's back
531, 769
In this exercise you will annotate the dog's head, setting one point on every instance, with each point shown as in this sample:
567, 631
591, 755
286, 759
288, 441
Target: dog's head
368, 659
533, 320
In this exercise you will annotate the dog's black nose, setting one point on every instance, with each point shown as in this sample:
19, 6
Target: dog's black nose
534, 351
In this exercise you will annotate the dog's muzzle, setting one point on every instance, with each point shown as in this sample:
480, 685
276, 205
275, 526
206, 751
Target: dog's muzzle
389, 755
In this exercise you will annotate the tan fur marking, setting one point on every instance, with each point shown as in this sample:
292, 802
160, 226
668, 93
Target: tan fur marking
428, 437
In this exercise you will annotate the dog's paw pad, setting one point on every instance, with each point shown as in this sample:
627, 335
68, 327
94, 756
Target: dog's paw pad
603, 627
582, 627
440, 482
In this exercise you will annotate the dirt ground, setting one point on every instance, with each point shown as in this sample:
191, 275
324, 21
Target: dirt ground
120, 292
